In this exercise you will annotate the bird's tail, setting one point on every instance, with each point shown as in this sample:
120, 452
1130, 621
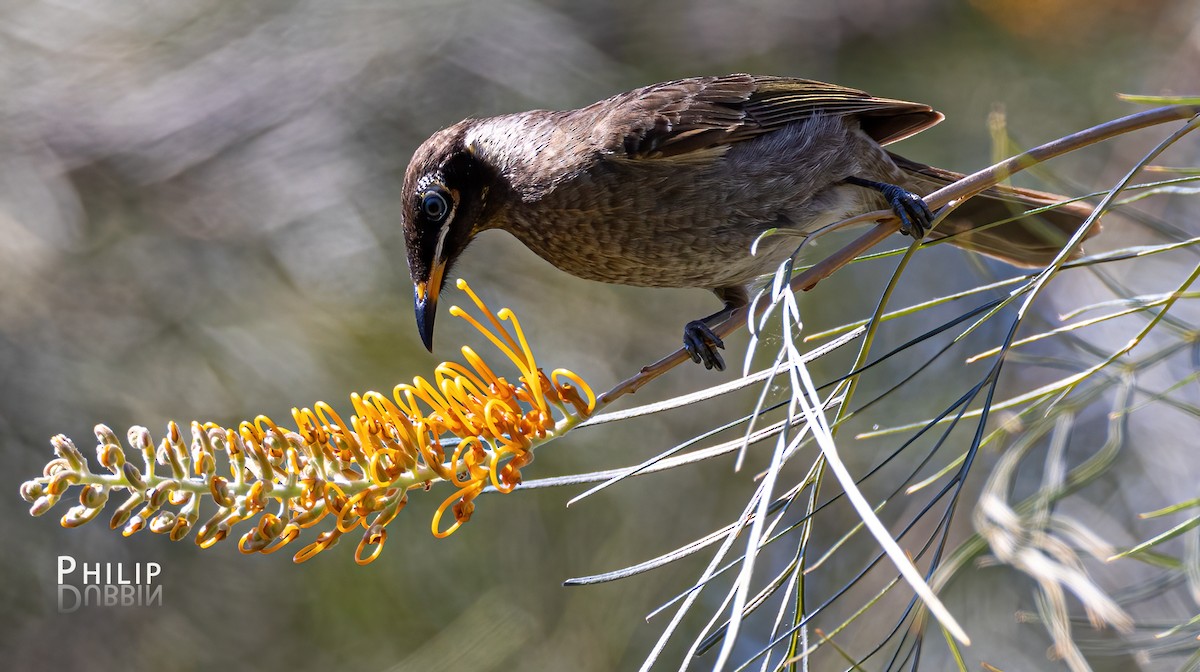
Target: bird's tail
1029, 241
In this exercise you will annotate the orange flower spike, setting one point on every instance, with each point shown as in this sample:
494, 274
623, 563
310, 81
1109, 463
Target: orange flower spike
359, 471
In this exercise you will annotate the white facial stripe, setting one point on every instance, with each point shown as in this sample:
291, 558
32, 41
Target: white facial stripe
441, 241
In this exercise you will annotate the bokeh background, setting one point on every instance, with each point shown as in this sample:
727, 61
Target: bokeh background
198, 220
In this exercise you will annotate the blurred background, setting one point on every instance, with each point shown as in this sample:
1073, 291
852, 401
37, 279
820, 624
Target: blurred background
198, 220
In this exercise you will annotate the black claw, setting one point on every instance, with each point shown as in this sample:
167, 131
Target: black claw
701, 343
915, 216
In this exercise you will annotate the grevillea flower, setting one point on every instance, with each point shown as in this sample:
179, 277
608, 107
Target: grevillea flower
467, 427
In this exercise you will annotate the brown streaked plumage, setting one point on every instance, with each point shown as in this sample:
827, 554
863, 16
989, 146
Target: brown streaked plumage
670, 184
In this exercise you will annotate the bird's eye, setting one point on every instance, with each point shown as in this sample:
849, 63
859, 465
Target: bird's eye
435, 206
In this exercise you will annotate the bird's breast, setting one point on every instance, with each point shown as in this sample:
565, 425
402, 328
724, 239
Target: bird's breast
656, 230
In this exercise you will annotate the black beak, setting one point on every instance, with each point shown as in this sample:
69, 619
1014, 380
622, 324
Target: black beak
425, 298
426, 312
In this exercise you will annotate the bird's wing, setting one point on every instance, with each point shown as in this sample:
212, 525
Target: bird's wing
688, 115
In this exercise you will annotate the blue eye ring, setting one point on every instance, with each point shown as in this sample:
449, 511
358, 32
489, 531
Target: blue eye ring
435, 206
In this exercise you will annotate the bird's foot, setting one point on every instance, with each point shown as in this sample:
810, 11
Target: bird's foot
915, 217
701, 343
914, 214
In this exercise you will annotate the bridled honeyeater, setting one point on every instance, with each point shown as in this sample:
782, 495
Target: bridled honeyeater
669, 185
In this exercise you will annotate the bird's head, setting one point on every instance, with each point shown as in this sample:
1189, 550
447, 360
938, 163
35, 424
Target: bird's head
445, 189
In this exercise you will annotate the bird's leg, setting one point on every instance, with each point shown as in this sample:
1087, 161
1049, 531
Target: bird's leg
915, 217
698, 337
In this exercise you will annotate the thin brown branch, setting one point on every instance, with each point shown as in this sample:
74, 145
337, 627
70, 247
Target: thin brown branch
887, 223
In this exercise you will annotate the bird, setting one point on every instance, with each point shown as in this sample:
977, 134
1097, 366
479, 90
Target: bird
671, 184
